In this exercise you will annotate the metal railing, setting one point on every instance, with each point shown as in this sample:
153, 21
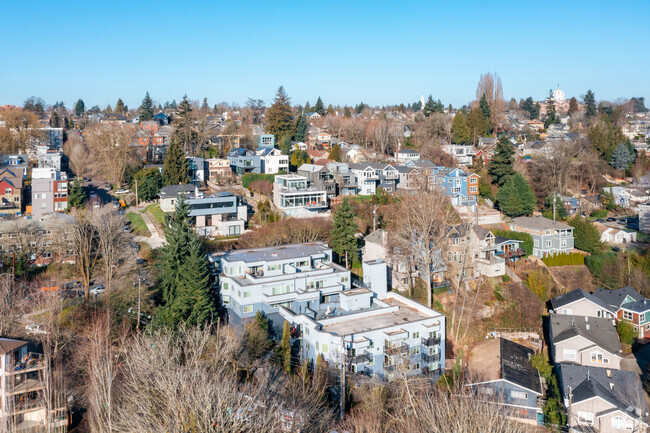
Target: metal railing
31, 361
362, 357
430, 358
431, 341
395, 349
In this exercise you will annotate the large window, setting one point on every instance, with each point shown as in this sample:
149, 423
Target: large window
620, 423
519, 394
569, 353
627, 315
281, 290
597, 357
248, 309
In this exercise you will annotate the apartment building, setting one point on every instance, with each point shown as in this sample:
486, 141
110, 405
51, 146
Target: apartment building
49, 191
24, 402
549, 237
372, 331
293, 195
296, 276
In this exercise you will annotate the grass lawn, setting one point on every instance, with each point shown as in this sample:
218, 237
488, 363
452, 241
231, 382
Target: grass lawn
155, 211
137, 224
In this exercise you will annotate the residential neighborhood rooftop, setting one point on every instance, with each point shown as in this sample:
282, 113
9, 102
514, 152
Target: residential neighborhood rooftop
600, 331
540, 223
291, 251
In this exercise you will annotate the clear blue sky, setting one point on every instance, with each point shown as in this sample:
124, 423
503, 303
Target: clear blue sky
379, 52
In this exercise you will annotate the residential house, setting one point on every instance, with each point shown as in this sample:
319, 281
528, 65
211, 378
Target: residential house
402, 269
317, 155
487, 262
571, 205
461, 187
218, 169
589, 341
509, 249
549, 237
378, 333
323, 139
464, 153
613, 235
629, 306
266, 160
372, 175
24, 404
404, 155
293, 195
18, 162
472, 252
297, 276
319, 177
500, 371
49, 191
11, 191
644, 217
410, 177
345, 179
581, 303
616, 298
266, 140
534, 124
197, 169
602, 399
170, 194
42, 240
220, 214
49, 157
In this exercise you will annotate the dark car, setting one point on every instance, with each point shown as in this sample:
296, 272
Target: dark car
611, 219
140, 261
600, 220
135, 247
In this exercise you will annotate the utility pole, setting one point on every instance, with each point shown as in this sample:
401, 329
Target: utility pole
343, 386
136, 195
374, 218
139, 293
554, 198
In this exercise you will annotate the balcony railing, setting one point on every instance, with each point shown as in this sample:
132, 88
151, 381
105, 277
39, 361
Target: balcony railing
395, 349
431, 341
27, 405
439, 284
31, 362
519, 252
362, 357
430, 358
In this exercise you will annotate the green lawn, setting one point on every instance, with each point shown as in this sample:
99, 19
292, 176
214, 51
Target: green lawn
137, 224
157, 213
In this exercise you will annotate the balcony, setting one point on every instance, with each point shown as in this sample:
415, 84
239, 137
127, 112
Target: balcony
430, 358
31, 362
395, 349
431, 341
491, 260
362, 357
27, 405
520, 252
440, 284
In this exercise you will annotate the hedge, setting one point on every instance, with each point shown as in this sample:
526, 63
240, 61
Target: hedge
248, 178
519, 236
564, 259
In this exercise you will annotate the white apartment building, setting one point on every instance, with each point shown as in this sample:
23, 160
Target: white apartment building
293, 195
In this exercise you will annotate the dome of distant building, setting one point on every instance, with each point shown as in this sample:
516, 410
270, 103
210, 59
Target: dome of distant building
558, 95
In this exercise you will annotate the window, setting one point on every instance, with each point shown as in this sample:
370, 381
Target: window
647, 327
567, 311
234, 230
569, 354
415, 335
415, 366
225, 300
7, 190
372, 361
345, 279
248, 309
248, 294
620, 424
519, 394
415, 351
455, 189
473, 180
547, 244
224, 286
316, 284
536, 242
486, 391
597, 357
325, 348
274, 267
563, 243
284, 304
281, 290
473, 189
585, 417
642, 318
627, 315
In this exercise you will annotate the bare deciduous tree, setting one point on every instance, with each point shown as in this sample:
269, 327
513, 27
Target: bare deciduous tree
85, 245
111, 240
109, 145
77, 152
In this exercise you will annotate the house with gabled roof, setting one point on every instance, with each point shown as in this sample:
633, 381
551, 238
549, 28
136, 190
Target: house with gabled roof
590, 341
372, 175
500, 371
602, 399
581, 303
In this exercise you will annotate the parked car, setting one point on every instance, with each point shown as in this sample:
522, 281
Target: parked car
122, 191
135, 247
108, 188
96, 290
600, 220
611, 219
127, 228
35, 329
140, 261
74, 284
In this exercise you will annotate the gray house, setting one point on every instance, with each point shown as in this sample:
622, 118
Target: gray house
549, 237
501, 371
320, 177
602, 399
581, 303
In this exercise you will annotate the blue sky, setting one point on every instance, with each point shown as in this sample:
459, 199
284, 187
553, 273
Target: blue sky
379, 52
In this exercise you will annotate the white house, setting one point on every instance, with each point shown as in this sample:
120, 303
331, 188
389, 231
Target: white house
613, 235
293, 195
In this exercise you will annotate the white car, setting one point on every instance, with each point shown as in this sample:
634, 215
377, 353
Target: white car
122, 191
35, 329
96, 290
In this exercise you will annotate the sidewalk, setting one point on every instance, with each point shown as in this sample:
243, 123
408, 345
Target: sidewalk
157, 239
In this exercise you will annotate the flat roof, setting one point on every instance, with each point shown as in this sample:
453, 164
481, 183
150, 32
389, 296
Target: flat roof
358, 323
278, 252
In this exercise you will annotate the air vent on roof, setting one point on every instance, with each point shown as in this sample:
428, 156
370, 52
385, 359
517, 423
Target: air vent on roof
611, 385
586, 319
609, 373
588, 328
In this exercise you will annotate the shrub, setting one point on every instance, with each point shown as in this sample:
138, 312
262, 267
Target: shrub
505, 278
249, 178
564, 259
625, 332
600, 213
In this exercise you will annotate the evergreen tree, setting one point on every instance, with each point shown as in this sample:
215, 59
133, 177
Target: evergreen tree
335, 153
638, 104
432, 106
486, 112
551, 113
590, 105
77, 195
279, 116
359, 108
308, 108
476, 124
515, 198
347, 113
560, 211
460, 132
119, 106
173, 254
585, 234
573, 106
330, 109
285, 347
319, 107
301, 128
299, 157
184, 132
622, 158
176, 167
343, 241
196, 299
79, 108
500, 166
146, 108
109, 109
529, 106
149, 183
